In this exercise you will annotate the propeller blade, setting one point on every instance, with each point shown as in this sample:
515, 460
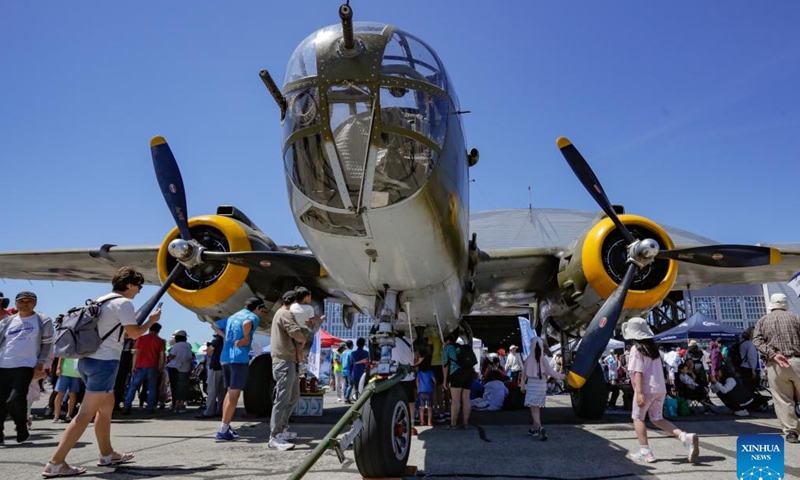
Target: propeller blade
599, 333
591, 183
150, 304
729, 256
171, 183
273, 263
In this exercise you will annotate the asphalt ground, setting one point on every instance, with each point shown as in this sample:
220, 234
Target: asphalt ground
496, 446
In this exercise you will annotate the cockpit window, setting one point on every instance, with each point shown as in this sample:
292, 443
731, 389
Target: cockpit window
408, 57
415, 110
402, 166
350, 108
303, 111
306, 165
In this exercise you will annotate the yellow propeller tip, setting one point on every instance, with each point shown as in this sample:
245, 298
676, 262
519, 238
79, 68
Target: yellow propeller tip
573, 379
774, 256
157, 140
563, 142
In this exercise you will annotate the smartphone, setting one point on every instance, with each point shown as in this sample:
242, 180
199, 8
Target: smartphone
159, 305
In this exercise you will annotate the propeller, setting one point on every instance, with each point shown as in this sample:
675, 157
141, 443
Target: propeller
641, 252
169, 179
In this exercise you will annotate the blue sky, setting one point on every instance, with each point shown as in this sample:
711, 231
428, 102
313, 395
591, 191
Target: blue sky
689, 113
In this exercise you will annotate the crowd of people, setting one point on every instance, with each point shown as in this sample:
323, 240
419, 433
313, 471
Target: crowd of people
445, 382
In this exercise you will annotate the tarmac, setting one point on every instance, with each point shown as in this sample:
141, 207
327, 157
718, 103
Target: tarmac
496, 446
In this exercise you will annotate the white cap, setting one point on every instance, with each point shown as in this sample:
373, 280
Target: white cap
777, 301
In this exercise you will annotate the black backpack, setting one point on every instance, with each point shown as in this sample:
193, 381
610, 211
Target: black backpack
734, 359
465, 357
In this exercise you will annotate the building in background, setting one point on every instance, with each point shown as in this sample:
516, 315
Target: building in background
334, 324
739, 306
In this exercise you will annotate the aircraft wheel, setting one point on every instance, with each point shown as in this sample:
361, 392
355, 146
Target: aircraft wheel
382, 448
590, 401
258, 389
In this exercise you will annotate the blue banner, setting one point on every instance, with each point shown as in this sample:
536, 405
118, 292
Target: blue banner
527, 333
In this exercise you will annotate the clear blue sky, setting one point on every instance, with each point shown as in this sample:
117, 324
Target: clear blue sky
689, 112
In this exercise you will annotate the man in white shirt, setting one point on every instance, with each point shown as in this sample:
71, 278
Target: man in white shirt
26, 340
403, 353
305, 316
514, 363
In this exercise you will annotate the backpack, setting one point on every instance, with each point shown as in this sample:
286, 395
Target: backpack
78, 334
734, 355
465, 357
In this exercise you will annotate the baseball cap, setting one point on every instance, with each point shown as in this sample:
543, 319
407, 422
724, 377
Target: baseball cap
343, 345
26, 294
181, 333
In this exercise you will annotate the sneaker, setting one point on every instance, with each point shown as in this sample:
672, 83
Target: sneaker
542, 434
288, 434
126, 411
792, 437
414, 431
339, 400
640, 457
533, 432
58, 420
742, 413
692, 445
225, 437
233, 432
278, 443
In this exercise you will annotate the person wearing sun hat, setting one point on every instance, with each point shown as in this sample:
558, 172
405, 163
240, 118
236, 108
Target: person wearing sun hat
647, 378
514, 363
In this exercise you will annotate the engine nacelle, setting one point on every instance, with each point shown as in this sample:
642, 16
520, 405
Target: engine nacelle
596, 263
213, 289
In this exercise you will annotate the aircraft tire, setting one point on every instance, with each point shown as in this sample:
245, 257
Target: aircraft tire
383, 446
590, 401
258, 391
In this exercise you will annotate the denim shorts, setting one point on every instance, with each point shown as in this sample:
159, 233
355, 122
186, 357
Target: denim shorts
98, 375
235, 375
68, 384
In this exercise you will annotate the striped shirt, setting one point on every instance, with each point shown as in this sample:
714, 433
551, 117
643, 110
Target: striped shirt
778, 332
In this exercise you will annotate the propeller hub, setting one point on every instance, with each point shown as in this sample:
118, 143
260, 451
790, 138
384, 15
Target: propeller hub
180, 249
643, 252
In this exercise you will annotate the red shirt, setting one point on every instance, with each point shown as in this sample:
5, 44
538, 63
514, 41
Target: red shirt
149, 349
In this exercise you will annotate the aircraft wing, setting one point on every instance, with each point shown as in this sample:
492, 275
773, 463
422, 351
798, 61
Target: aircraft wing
694, 276
80, 264
510, 278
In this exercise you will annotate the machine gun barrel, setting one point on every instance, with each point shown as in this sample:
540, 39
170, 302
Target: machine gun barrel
346, 14
274, 91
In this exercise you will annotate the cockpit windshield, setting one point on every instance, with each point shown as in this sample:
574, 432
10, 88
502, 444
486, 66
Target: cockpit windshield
354, 140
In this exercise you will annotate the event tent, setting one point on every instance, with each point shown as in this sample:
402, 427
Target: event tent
327, 340
699, 326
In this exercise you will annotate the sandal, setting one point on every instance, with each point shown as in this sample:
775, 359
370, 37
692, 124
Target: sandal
109, 460
57, 470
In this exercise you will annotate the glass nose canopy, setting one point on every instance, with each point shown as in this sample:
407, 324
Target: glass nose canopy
354, 140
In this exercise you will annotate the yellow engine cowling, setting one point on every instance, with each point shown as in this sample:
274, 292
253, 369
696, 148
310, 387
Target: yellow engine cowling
213, 289
593, 269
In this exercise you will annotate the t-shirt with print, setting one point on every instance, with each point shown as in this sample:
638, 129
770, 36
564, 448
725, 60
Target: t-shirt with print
234, 330
653, 375
23, 339
114, 312
336, 361
450, 358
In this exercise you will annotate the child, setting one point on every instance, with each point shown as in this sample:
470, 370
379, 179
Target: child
644, 367
533, 383
426, 383
693, 390
69, 381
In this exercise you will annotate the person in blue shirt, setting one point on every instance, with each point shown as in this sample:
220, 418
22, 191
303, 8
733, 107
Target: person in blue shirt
347, 370
360, 358
235, 358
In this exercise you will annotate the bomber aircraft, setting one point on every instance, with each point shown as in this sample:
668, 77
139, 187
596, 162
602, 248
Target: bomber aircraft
377, 174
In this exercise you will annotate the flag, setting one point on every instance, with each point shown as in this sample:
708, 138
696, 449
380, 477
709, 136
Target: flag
794, 283
527, 333
313, 364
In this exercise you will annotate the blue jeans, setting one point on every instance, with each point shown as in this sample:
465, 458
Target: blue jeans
348, 387
149, 374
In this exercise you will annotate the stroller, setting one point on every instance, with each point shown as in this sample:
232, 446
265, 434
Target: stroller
197, 383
